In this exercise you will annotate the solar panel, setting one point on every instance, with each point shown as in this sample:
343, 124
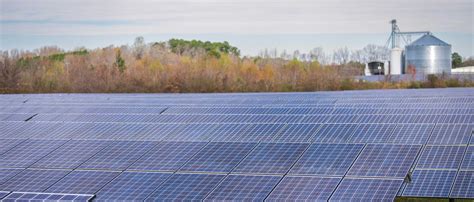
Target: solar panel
271, 158
335, 133
383, 160
3, 194
7, 173
71, 154
131, 186
118, 155
192, 132
296, 133
411, 134
33, 196
327, 159
83, 182
33, 180
462, 187
28, 152
450, 134
186, 187
244, 188
430, 183
7, 144
293, 188
255, 133
468, 161
167, 156
371, 133
354, 189
441, 157
218, 157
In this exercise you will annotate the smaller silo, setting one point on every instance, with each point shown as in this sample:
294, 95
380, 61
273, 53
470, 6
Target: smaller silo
376, 67
396, 61
428, 55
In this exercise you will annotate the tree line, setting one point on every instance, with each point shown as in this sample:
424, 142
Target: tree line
181, 66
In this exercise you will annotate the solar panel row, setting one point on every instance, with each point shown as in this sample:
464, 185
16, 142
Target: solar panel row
309, 146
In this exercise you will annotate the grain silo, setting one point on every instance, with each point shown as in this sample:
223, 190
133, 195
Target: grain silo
428, 55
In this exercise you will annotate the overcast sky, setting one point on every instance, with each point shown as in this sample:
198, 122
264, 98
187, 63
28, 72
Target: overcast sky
251, 25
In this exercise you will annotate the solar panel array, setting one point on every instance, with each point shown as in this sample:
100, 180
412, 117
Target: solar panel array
336, 146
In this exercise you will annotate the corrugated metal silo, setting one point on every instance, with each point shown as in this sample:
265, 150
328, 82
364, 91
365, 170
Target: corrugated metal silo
428, 55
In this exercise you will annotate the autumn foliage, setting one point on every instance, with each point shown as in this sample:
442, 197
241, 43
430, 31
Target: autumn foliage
185, 66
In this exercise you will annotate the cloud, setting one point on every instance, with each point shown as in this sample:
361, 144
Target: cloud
118, 17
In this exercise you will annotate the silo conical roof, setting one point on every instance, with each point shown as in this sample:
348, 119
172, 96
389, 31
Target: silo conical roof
429, 40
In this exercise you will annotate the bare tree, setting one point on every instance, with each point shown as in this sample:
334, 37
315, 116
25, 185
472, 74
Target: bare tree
139, 47
341, 55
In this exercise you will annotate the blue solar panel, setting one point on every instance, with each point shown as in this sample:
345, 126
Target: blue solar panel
83, 182
244, 188
327, 159
468, 161
342, 118
7, 173
33, 196
274, 158
223, 131
411, 134
3, 194
304, 189
354, 189
315, 119
192, 132
430, 183
131, 186
296, 133
28, 152
118, 155
372, 133
463, 186
254, 133
441, 157
186, 187
167, 156
7, 144
218, 157
334, 133
33, 180
381, 160
71, 154
450, 134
